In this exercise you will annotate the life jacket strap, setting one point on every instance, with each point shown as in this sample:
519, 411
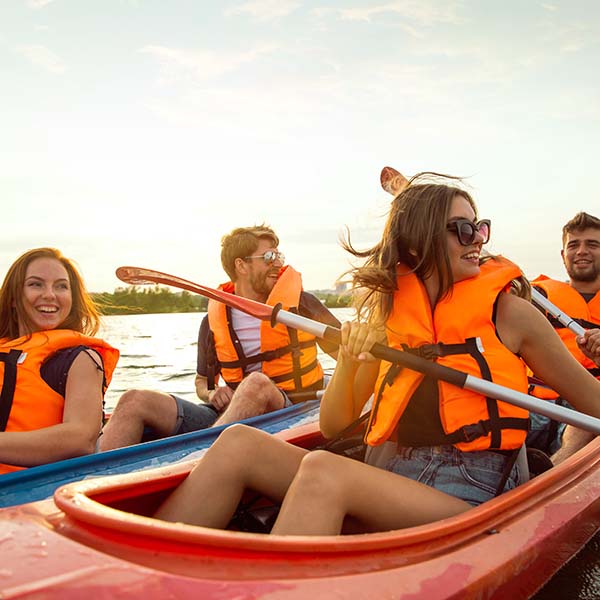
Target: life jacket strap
10, 360
303, 371
267, 355
473, 431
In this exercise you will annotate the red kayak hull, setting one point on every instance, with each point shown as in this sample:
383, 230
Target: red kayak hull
86, 543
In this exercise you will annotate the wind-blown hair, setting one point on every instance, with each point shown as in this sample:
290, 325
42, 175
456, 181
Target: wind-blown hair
84, 316
243, 242
415, 235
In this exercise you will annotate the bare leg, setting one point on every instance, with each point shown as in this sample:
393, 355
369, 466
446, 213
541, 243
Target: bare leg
329, 487
256, 395
135, 410
573, 439
241, 458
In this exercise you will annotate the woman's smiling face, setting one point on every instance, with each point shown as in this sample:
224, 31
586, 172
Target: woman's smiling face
464, 260
47, 299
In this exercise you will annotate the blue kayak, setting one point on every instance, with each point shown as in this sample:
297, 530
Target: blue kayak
37, 483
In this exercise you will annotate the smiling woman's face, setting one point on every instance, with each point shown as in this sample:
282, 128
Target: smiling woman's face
47, 298
464, 260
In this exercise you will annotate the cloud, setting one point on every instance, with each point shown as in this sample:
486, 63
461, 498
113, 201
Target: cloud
42, 57
35, 4
419, 11
179, 64
265, 10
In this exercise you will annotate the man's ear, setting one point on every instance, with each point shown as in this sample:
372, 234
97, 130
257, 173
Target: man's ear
562, 255
241, 266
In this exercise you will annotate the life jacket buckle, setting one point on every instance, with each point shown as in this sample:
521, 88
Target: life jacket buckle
475, 430
428, 351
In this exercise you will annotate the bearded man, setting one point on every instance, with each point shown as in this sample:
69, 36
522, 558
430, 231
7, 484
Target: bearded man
261, 367
580, 299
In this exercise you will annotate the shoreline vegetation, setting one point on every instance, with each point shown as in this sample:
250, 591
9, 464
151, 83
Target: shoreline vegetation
138, 300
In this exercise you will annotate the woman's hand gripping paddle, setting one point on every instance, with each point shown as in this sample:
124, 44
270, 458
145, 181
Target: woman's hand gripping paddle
137, 275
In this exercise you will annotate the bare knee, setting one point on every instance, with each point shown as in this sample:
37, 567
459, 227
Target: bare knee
319, 474
148, 407
132, 402
256, 383
236, 446
239, 439
255, 395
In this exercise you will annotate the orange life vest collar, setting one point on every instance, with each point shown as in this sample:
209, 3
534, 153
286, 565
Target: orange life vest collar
572, 303
461, 334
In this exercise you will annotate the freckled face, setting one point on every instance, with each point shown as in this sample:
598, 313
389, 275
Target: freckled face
464, 260
47, 298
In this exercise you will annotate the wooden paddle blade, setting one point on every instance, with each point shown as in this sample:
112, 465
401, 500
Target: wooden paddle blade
140, 276
392, 181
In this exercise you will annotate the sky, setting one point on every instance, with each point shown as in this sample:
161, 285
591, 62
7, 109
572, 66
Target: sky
138, 132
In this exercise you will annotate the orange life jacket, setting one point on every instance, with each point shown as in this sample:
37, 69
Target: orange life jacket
460, 334
27, 402
587, 314
288, 356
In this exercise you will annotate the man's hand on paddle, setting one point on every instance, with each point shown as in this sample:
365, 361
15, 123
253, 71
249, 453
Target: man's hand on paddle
589, 344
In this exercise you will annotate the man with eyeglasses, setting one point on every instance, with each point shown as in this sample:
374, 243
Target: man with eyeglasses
261, 368
580, 299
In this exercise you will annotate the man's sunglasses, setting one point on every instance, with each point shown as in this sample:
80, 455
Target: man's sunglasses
466, 230
270, 256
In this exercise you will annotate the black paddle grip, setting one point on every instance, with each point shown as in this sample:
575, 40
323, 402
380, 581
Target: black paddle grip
408, 360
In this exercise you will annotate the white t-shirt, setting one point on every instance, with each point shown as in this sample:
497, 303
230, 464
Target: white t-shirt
247, 328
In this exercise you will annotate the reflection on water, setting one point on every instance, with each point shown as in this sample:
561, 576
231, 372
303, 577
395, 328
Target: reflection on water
159, 352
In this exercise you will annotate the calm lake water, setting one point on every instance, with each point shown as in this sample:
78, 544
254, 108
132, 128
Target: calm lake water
159, 352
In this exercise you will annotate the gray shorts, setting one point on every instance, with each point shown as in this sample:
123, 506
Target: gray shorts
193, 416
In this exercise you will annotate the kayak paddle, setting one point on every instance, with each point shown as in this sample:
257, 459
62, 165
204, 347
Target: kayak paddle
139, 275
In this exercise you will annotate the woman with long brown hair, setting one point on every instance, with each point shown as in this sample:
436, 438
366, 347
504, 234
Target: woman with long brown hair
53, 371
425, 287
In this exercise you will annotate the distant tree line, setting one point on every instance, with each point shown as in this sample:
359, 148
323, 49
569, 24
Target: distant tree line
134, 299
333, 300
138, 300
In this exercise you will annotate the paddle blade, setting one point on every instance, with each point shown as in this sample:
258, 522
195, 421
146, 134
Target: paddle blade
141, 276
392, 181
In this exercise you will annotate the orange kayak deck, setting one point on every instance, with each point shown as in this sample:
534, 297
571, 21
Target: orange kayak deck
86, 542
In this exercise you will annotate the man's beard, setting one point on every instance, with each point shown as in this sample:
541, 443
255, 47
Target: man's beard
261, 285
590, 274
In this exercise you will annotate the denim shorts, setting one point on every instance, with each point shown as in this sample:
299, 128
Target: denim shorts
192, 416
544, 433
470, 476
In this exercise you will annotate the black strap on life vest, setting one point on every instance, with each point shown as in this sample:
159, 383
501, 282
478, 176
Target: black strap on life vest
494, 424
211, 361
394, 370
294, 348
467, 433
9, 382
268, 355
